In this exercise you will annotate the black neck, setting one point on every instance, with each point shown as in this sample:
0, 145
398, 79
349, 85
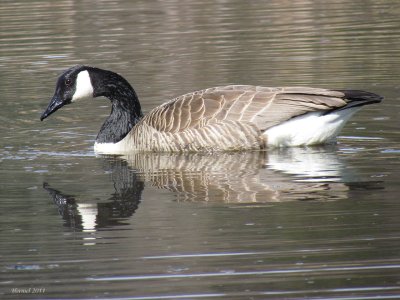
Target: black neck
125, 110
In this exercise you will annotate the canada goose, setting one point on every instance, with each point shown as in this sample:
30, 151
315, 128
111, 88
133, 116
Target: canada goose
234, 117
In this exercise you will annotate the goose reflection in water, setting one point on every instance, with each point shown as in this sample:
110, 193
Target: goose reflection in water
242, 177
89, 216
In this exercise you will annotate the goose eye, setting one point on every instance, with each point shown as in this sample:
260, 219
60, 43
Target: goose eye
68, 82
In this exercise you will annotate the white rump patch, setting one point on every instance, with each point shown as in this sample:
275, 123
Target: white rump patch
84, 88
309, 129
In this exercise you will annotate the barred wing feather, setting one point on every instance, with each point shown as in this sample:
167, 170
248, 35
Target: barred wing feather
262, 106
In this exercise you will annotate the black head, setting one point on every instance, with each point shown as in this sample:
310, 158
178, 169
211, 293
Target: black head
74, 84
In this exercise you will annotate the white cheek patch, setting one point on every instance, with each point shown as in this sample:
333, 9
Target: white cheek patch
84, 88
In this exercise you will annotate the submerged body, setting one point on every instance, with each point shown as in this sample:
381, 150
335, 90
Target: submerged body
235, 117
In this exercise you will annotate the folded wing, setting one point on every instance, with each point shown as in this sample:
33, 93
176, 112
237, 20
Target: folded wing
262, 106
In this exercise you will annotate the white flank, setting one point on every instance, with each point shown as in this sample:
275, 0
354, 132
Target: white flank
84, 88
309, 129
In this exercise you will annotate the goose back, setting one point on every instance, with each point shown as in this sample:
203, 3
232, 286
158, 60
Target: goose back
263, 106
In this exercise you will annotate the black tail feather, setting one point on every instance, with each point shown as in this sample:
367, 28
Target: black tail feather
361, 96
357, 98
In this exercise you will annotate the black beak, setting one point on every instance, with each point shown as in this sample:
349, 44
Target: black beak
55, 104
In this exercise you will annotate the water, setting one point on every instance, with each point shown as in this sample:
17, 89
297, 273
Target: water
318, 223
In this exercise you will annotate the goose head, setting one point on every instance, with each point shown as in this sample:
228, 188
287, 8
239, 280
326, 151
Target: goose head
73, 85
84, 82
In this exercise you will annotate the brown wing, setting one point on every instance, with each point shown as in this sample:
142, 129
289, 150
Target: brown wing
262, 106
